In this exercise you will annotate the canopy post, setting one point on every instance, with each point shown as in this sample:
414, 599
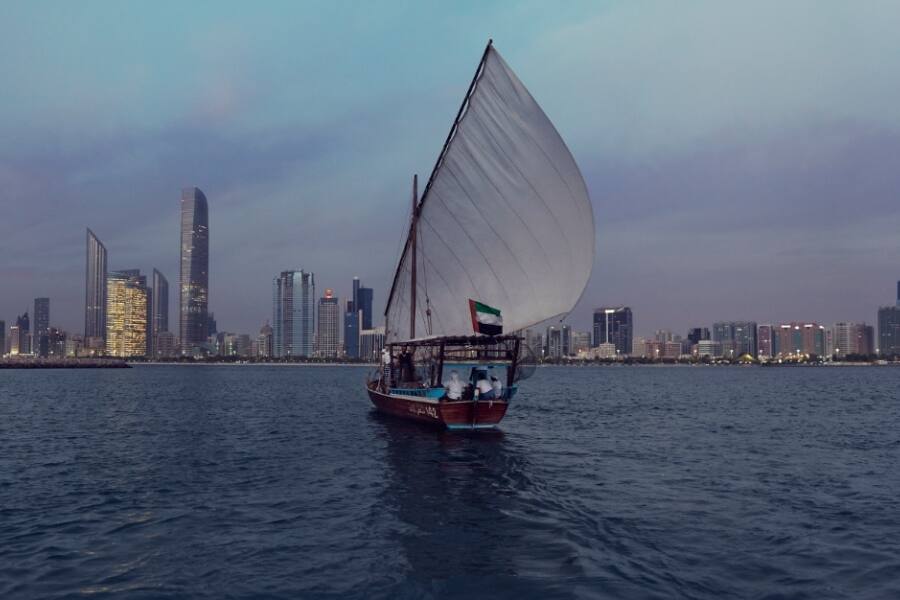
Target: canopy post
511, 375
440, 372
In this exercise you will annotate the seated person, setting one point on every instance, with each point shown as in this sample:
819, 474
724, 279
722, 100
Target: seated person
497, 385
454, 387
484, 387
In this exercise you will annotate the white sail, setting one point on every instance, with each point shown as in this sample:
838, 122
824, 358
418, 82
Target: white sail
505, 220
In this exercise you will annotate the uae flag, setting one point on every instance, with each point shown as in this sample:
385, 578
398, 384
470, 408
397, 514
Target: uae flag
485, 319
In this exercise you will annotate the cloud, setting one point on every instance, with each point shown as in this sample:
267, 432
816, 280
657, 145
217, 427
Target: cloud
742, 158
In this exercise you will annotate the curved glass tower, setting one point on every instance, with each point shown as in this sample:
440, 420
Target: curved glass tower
95, 289
194, 280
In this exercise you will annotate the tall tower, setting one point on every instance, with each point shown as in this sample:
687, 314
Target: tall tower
194, 280
357, 317
159, 310
95, 291
614, 325
327, 329
41, 326
293, 313
126, 310
363, 303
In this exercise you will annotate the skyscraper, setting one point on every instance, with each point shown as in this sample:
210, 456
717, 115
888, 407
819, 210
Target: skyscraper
351, 331
696, 334
371, 341
2, 338
20, 339
736, 337
14, 340
357, 317
327, 329
126, 314
293, 313
95, 292
159, 310
614, 325
264, 342
852, 338
553, 343
41, 326
889, 330
794, 339
194, 278
765, 335
364, 306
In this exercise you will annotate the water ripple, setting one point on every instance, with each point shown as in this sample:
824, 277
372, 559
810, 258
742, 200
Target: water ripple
270, 482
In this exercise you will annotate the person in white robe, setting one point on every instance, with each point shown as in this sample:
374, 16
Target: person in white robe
454, 387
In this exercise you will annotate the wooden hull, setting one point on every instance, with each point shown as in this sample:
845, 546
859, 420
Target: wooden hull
464, 414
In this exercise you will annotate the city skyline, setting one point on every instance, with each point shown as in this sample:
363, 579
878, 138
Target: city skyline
786, 183
136, 329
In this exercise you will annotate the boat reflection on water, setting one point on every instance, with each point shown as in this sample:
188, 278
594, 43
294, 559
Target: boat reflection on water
458, 496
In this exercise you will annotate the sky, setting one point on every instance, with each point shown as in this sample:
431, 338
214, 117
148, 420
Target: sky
743, 159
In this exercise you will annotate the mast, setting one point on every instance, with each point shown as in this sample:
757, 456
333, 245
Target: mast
417, 206
412, 241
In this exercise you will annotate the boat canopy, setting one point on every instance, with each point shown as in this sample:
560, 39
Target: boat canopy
504, 220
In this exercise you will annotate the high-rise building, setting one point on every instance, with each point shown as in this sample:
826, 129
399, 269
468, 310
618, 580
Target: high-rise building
795, 339
662, 349
765, 340
126, 314
55, 343
364, 306
293, 313
736, 338
565, 333
696, 334
166, 344
357, 317
371, 341
581, 342
614, 325
638, 346
194, 279
264, 342
95, 292
534, 340
889, 330
233, 344
159, 310
553, 348
3, 338
327, 331
41, 326
22, 341
351, 331
709, 349
14, 339
662, 336
557, 342
852, 339
607, 351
